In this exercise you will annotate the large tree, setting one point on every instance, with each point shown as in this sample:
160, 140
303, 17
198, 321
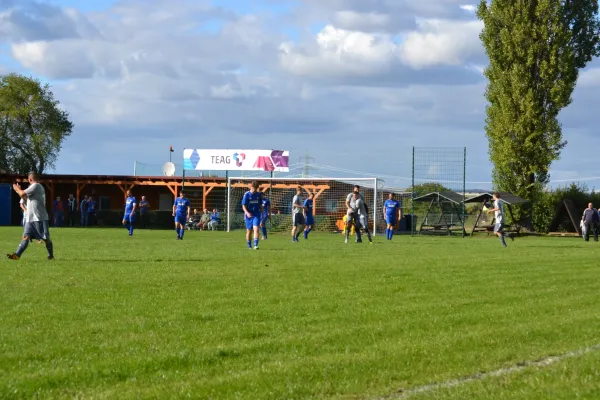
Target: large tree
536, 49
32, 125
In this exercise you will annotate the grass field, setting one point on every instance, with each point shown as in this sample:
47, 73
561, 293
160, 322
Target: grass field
152, 317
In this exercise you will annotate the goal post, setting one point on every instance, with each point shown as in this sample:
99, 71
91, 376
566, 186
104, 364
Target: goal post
329, 200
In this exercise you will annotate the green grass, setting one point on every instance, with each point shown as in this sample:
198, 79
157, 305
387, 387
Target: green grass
151, 317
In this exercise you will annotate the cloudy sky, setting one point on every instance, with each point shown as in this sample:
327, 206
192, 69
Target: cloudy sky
355, 83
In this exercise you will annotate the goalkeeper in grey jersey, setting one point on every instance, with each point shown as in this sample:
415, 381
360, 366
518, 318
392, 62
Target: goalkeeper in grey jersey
363, 218
351, 214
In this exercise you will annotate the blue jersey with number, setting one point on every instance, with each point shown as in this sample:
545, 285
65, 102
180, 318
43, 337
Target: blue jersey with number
308, 203
129, 203
253, 201
181, 206
391, 207
266, 203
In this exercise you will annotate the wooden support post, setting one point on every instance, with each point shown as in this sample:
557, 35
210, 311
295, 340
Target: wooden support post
79, 188
206, 192
478, 217
318, 192
173, 190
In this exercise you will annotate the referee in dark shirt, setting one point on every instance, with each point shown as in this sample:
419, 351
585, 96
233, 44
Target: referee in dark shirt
590, 220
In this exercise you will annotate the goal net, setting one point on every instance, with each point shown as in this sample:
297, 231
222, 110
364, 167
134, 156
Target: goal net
329, 206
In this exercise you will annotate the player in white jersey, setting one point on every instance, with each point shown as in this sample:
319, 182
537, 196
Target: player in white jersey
498, 211
351, 215
297, 214
36, 225
363, 218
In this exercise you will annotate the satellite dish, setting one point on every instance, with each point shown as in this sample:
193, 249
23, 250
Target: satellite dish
169, 169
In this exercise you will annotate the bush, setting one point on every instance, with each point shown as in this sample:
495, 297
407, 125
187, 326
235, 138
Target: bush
546, 206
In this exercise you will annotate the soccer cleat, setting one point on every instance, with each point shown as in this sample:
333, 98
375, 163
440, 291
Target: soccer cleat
255, 247
346, 241
50, 258
13, 256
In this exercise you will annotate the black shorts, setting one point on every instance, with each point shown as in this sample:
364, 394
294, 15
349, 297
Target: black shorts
297, 219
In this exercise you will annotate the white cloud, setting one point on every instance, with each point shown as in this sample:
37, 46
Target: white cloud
469, 8
442, 43
340, 51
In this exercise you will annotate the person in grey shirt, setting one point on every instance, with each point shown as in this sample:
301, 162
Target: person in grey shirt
351, 215
498, 211
590, 220
297, 214
37, 225
363, 218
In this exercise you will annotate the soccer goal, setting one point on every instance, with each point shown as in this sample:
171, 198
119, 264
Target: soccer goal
329, 201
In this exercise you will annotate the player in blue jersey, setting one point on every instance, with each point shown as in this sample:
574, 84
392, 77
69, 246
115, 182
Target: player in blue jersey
309, 219
252, 204
266, 203
129, 217
392, 214
181, 212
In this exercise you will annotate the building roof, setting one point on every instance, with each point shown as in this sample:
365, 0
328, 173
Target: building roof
443, 197
109, 179
508, 198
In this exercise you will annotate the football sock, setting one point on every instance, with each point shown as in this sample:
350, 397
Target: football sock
249, 244
177, 230
50, 248
131, 228
502, 240
22, 247
181, 232
264, 231
391, 234
255, 242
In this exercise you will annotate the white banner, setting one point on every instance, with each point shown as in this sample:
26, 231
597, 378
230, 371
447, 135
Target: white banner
236, 160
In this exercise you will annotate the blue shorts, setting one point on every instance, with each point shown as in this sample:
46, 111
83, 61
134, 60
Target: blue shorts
310, 220
180, 219
390, 220
252, 221
128, 217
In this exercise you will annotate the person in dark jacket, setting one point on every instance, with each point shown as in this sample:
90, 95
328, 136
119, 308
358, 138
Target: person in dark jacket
590, 220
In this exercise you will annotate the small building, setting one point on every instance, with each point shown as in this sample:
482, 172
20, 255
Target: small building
110, 191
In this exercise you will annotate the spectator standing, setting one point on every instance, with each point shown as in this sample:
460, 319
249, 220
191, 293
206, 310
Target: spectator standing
215, 220
71, 210
590, 220
58, 209
92, 208
144, 208
83, 207
204, 220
